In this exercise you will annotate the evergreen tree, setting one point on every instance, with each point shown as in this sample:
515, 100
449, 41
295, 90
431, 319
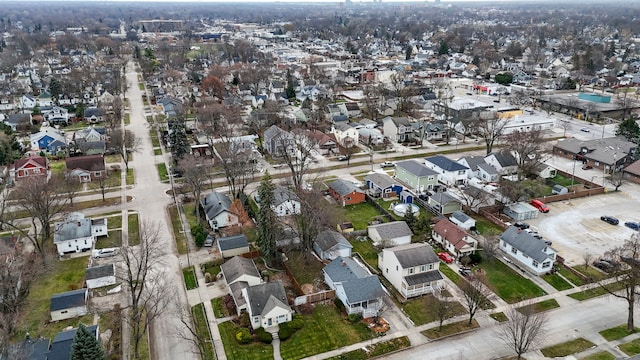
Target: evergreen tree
410, 218
290, 91
178, 139
268, 225
444, 48
629, 129
85, 346
408, 52
55, 88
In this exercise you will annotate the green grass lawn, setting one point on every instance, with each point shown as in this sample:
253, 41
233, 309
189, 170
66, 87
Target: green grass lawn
422, 310
602, 355
127, 118
211, 267
485, 226
631, 348
452, 275
304, 267
360, 215
129, 178
114, 239
162, 172
202, 329
567, 348
595, 292
61, 276
375, 350
617, 332
190, 280
576, 280
58, 166
507, 284
115, 221
235, 351
155, 142
499, 317
324, 330
562, 180
157, 152
181, 239
541, 306
557, 282
366, 250
591, 272
141, 86
218, 307
449, 329
134, 228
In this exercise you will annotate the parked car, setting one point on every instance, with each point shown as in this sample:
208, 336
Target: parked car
632, 225
465, 271
610, 219
105, 253
343, 157
603, 265
521, 225
445, 257
586, 167
208, 242
584, 129
540, 205
387, 164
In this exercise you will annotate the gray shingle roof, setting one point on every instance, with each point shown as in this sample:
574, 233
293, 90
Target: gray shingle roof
214, 203
445, 163
62, 343
344, 187
526, 243
443, 198
264, 297
329, 238
415, 254
415, 168
473, 161
460, 216
488, 169
71, 229
282, 194
344, 269
100, 271
392, 230
601, 150
505, 158
363, 289
422, 278
238, 266
68, 299
232, 242
382, 181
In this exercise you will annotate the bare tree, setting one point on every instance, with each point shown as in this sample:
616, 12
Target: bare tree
528, 149
101, 183
238, 163
373, 102
315, 215
587, 257
187, 329
490, 242
473, 197
490, 128
297, 155
616, 178
144, 278
114, 117
524, 329
628, 275
123, 143
564, 125
16, 275
475, 294
70, 187
195, 175
442, 309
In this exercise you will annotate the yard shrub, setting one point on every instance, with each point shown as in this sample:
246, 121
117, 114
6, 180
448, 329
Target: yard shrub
243, 336
297, 322
199, 235
229, 305
475, 258
285, 331
354, 318
243, 320
207, 278
263, 336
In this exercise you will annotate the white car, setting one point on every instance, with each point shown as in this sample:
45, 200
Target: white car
584, 129
104, 253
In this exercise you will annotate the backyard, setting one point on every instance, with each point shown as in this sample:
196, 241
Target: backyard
304, 267
360, 215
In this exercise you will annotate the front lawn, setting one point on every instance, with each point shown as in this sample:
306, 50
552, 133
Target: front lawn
190, 280
134, 228
541, 306
304, 267
202, 329
235, 351
218, 307
508, 284
573, 278
422, 310
602, 355
557, 282
366, 250
181, 239
596, 291
375, 350
360, 215
567, 348
617, 332
452, 275
129, 178
631, 348
449, 329
590, 272
323, 331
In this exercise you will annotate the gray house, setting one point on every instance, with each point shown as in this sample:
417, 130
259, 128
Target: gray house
523, 248
359, 291
444, 203
277, 141
330, 244
397, 129
217, 210
415, 175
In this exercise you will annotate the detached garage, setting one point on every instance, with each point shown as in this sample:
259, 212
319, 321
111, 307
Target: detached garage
233, 245
521, 211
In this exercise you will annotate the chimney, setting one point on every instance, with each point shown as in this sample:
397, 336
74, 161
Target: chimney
519, 230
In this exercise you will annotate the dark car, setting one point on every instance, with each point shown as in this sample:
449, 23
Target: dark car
521, 225
465, 271
586, 167
610, 219
632, 225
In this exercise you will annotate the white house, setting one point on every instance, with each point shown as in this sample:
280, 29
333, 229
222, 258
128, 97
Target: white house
450, 172
529, 252
68, 305
240, 273
390, 234
285, 202
412, 269
77, 233
345, 134
504, 162
462, 220
99, 276
268, 304
455, 240
217, 210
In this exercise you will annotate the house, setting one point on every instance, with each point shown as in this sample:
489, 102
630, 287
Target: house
398, 129
346, 193
545, 171
371, 137
93, 115
33, 166
462, 220
521, 211
390, 234
90, 133
48, 139
444, 203
324, 143
353, 109
18, 121
170, 106
329, 244
27, 101
55, 115
434, 131
86, 168
77, 233
526, 250
503, 161
606, 154
239, 274
345, 134
217, 210
449, 172
268, 304
277, 141
44, 99
285, 202
473, 163
416, 176
632, 172
60, 347
231, 246
99, 276
412, 269
68, 305
382, 185
487, 173
453, 239
360, 291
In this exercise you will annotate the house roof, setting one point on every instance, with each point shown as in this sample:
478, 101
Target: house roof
460, 216
634, 168
93, 111
504, 158
238, 266
382, 181
415, 168
236, 292
488, 168
601, 150
329, 238
98, 272
423, 277
473, 161
71, 229
414, 254
68, 299
215, 203
392, 230
89, 163
282, 194
445, 163
232, 242
38, 160
344, 269
443, 198
362, 289
263, 298
344, 187
61, 345
451, 233
526, 243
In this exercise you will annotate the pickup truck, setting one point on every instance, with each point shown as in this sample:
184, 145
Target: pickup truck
387, 164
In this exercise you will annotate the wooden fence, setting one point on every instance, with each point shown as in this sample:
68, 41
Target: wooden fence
315, 297
294, 282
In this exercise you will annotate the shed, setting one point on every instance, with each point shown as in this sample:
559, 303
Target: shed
68, 305
558, 189
233, 245
100, 276
462, 220
521, 211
